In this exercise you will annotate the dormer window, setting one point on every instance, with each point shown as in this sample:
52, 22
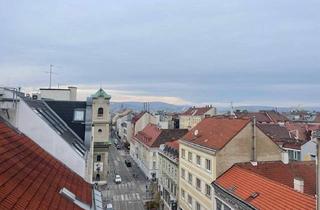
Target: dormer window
78, 115
100, 112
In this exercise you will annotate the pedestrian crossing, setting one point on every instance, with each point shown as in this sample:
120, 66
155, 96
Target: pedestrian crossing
127, 197
122, 186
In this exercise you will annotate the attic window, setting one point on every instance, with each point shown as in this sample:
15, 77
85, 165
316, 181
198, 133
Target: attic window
78, 115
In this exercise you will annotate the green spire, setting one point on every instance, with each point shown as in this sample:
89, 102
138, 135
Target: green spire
101, 93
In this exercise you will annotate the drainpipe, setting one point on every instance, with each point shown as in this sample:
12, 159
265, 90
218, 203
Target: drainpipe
318, 169
254, 140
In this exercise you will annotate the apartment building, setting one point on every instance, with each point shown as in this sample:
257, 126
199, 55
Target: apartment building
212, 147
169, 174
146, 146
194, 115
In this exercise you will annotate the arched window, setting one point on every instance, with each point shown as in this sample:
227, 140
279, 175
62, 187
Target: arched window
98, 157
98, 177
100, 130
100, 112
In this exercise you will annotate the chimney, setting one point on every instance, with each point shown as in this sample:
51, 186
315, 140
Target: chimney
254, 141
73, 93
285, 157
298, 184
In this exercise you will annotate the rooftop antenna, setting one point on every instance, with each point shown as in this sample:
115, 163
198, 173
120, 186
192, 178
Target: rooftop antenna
50, 73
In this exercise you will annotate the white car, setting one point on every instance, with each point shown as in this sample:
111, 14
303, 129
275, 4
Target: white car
109, 206
117, 179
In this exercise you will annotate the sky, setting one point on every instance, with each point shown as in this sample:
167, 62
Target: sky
249, 52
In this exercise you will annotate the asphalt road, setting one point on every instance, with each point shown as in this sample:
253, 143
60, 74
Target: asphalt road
130, 193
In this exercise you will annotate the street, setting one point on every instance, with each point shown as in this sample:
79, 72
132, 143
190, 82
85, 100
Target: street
129, 194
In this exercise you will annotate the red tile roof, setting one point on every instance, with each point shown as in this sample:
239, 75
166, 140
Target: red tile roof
153, 136
215, 132
285, 173
244, 183
173, 144
197, 110
30, 178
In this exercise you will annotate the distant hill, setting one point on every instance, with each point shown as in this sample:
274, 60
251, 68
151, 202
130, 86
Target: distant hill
154, 106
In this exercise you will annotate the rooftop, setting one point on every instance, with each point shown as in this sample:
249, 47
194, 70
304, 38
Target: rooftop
30, 178
261, 192
215, 132
153, 136
264, 116
197, 110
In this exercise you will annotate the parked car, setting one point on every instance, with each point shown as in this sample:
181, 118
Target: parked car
128, 163
117, 179
109, 206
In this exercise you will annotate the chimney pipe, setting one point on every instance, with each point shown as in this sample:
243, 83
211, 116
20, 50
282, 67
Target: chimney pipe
254, 141
298, 184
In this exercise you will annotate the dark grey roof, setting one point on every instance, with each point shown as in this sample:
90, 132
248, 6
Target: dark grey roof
54, 121
65, 110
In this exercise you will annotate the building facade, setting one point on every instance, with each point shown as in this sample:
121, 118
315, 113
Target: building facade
169, 175
194, 115
213, 146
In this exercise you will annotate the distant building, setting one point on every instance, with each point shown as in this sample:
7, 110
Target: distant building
281, 136
264, 116
58, 94
169, 174
145, 145
141, 120
267, 185
194, 115
211, 148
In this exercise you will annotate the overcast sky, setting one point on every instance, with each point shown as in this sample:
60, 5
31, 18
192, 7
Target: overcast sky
264, 52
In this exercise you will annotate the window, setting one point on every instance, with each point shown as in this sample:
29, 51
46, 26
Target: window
182, 193
154, 164
208, 190
198, 183
190, 178
190, 200
183, 173
100, 131
198, 160
221, 206
78, 115
294, 155
98, 177
190, 156
154, 154
100, 112
208, 164
98, 158
198, 207
183, 153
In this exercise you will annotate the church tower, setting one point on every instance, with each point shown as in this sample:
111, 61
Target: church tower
100, 135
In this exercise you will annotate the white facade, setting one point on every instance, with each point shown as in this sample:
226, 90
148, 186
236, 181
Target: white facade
69, 94
309, 150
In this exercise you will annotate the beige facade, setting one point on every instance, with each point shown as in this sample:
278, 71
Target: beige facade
146, 157
100, 135
199, 166
143, 121
189, 121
